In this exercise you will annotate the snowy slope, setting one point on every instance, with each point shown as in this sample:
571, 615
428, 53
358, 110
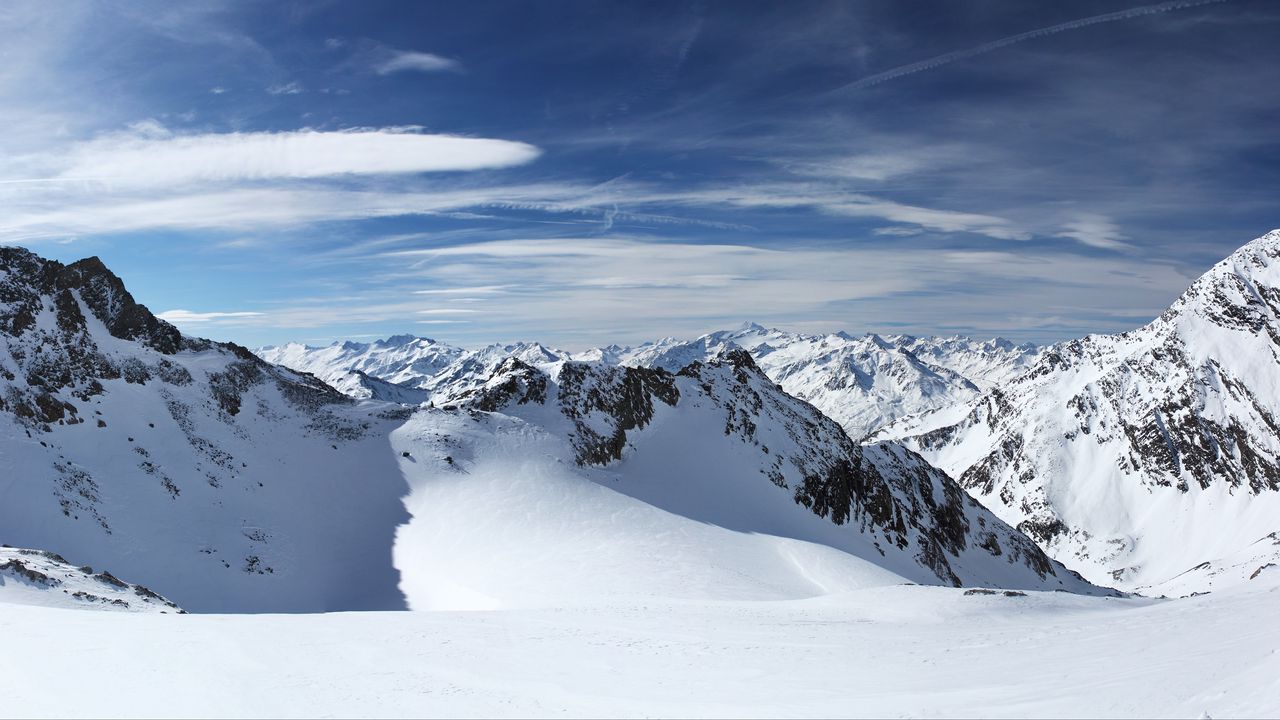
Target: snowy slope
189, 466
863, 383
693, 485
1256, 563
39, 577
503, 518
1135, 457
883, 652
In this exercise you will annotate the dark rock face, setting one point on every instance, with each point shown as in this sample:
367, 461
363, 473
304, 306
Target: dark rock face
625, 396
105, 295
56, 360
29, 280
513, 381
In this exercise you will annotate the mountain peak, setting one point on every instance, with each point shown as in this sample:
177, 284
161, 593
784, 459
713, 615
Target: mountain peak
399, 340
1242, 292
25, 276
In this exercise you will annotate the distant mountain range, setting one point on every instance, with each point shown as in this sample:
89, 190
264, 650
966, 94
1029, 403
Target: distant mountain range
864, 382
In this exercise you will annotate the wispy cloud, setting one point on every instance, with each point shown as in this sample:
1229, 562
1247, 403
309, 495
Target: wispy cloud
187, 317
414, 61
291, 88
1095, 231
574, 291
1043, 32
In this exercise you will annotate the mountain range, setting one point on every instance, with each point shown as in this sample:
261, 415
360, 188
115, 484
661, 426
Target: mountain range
228, 483
863, 382
1145, 460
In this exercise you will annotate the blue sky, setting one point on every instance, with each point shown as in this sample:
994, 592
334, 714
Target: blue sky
584, 173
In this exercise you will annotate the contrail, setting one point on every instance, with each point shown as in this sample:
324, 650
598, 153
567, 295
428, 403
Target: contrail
951, 57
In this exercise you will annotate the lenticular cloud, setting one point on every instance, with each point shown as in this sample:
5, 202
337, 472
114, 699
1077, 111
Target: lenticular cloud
147, 160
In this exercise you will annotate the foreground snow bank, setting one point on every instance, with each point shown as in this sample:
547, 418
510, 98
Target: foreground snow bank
896, 651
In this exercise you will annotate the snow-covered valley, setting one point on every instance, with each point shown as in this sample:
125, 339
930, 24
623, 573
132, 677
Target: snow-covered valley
900, 651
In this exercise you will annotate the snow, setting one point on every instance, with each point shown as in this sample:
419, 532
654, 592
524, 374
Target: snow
679, 577
503, 516
36, 577
398, 360
277, 508
864, 383
511, 523
900, 651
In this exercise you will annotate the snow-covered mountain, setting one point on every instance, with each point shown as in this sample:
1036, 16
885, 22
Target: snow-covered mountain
863, 383
985, 363
193, 467
39, 577
1136, 457
231, 484
723, 455
403, 368
399, 360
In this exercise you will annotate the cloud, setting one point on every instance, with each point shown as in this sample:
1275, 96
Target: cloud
896, 231
948, 58
834, 201
187, 317
930, 219
150, 156
576, 292
245, 208
871, 166
1095, 231
292, 88
413, 61
473, 290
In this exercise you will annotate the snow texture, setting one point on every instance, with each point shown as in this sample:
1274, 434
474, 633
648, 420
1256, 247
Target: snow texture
901, 651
